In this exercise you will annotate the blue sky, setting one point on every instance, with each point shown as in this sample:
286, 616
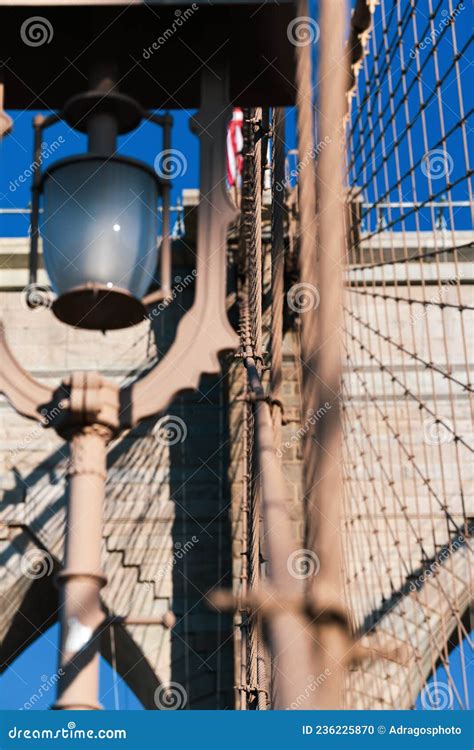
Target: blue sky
20, 682
446, 686
39, 661
143, 143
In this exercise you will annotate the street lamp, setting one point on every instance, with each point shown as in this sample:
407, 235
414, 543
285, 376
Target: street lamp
83, 257
110, 246
99, 220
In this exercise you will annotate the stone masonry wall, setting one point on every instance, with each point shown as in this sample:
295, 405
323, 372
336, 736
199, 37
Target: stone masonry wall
166, 526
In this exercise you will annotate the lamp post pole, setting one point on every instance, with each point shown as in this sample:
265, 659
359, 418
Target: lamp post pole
82, 578
91, 423
102, 126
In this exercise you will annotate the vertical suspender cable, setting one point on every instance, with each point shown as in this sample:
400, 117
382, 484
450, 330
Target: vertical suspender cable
278, 263
322, 247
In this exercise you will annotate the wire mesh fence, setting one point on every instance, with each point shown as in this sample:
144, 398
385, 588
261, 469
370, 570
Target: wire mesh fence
407, 384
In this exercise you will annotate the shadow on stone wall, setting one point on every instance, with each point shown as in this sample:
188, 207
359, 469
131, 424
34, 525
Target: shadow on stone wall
201, 642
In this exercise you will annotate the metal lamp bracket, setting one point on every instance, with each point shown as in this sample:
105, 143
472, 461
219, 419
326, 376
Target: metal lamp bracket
205, 331
84, 399
26, 394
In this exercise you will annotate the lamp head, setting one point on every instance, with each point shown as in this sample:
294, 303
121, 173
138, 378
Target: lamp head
99, 222
99, 230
